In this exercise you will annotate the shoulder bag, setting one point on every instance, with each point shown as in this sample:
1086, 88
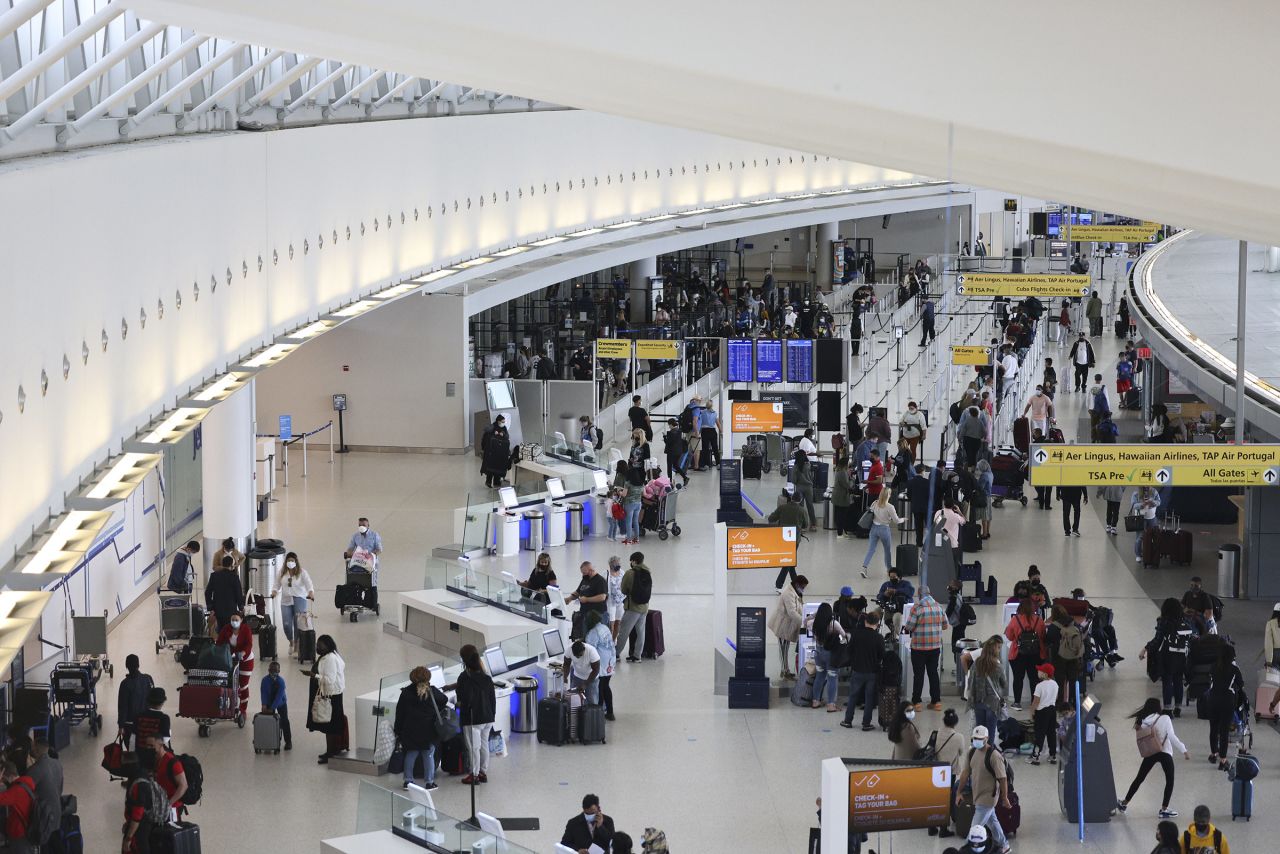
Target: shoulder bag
447, 727
1002, 713
929, 751
321, 708
1133, 523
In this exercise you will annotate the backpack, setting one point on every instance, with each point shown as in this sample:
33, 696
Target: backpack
1217, 841
195, 779
180, 576
1100, 404
1149, 744
1124, 370
158, 808
986, 761
686, 420
546, 369
1071, 646
617, 511
599, 434
1028, 642
1107, 427
641, 587
34, 821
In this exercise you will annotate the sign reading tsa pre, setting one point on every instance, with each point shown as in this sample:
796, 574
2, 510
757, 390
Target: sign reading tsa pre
657, 349
613, 348
761, 546
1022, 285
1155, 465
756, 416
286, 427
968, 354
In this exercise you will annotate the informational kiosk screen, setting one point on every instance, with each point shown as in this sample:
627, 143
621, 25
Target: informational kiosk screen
768, 361
751, 632
738, 357
800, 361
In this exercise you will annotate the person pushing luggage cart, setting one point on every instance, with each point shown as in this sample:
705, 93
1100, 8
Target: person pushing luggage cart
361, 589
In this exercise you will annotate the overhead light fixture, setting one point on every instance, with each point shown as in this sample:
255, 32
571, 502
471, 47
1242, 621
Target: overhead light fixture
660, 218
356, 308
23, 604
437, 275
697, 211
178, 424
271, 355
587, 232
626, 224
61, 550
549, 241
225, 386
514, 250
731, 207
833, 192
475, 262
311, 330
122, 477
804, 196
396, 290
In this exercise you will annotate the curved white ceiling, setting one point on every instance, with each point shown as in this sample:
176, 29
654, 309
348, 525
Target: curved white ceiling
1147, 108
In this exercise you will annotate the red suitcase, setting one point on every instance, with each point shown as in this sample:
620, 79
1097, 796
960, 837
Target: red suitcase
207, 702
1022, 435
1152, 541
654, 645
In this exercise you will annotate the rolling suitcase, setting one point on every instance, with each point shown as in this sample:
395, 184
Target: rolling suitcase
181, 837
267, 641
970, 537
1022, 434
654, 645
591, 724
907, 560
888, 704
1241, 799
962, 815
267, 736
306, 644
752, 468
454, 756
1151, 541
553, 721
1268, 684
802, 690
1176, 543
206, 701
1122, 328
1011, 818
820, 477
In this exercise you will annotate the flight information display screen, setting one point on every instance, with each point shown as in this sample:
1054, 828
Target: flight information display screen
738, 356
800, 361
768, 361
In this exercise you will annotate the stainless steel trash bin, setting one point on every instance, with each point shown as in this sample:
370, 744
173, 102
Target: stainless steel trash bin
575, 522
525, 718
1228, 571
532, 541
828, 521
600, 514
262, 566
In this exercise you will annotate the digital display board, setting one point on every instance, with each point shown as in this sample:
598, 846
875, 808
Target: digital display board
800, 361
768, 361
899, 798
761, 546
738, 358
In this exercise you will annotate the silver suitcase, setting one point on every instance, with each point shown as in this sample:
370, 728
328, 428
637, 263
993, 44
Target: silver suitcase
266, 734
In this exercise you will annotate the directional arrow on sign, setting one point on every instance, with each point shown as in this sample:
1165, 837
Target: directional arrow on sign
1270, 475
1084, 292
1164, 475
1041, 455
959, 289
960, 279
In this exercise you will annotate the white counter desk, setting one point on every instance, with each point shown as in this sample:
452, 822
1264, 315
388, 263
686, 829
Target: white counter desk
424, 615
377, 842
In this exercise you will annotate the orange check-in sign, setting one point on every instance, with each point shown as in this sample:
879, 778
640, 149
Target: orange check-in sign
899, 798
756, 417
765, 546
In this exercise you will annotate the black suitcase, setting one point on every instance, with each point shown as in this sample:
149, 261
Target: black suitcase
267, 641
907, 561
1122, 329
306, 645
970, 537
454, 757
553, 721
752, 467
820, 477
189, 655
180, 838
348, 596
591, 724
199, 621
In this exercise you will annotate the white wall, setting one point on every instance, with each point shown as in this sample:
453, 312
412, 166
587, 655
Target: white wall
95, 238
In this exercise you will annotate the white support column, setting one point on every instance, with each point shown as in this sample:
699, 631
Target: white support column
828, 232
1273, 259
228, 469
638, 275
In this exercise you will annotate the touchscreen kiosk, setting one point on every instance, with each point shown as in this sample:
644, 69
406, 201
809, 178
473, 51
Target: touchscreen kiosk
600, 479
507, 497
554, 643
437, 675
495, 660
555, 488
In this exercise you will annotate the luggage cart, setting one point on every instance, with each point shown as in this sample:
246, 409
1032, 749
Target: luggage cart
210, 697
667, 515
363, 581
73, 693
176, 623
89, 640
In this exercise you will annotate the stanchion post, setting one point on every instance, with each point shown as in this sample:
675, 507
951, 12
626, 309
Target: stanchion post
331, 441
1079, 765
285, 450
304, 454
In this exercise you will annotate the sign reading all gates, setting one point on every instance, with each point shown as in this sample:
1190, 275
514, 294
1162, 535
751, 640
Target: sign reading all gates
1022, 285
761, 546
968, 354
1144, 233
1155, 465
901, 798
756, 416
613, 348
657, 350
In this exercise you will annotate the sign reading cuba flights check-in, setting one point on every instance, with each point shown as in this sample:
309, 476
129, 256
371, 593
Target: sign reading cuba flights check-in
1155, 465
1021, 285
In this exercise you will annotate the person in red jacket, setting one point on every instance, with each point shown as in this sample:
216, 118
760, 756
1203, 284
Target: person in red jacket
172, 777
1025, 634
239, 636
19, 802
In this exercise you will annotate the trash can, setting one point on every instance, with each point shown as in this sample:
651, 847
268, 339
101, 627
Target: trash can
524, 718
532, 541
962, 646
575, 522
827, 521
600, 514
263, 562
1228, 571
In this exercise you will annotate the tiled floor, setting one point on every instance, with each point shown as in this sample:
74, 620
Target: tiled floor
715, 780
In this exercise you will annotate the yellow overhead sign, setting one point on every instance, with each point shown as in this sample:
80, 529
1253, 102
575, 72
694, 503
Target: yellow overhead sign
657, 350
970, 355
613, 348
1021, 285
1155, 465
1144, 233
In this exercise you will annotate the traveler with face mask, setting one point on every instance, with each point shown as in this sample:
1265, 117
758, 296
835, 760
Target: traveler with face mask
328, 680
788, 619
295, 590
495, 453
237, 634
364, 550
985, 767
590, 828
1201, 837
903, 734
223, 594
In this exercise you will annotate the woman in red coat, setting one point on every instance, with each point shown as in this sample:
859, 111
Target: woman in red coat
239, 636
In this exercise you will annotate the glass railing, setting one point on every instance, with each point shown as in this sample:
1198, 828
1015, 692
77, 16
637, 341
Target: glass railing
415, 818
502, 590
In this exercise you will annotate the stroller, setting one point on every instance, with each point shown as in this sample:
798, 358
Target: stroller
1009, 469
1103, 647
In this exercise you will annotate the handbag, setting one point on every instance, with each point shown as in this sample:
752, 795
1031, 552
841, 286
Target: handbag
868, 519
395, 765
1133, 523
929, 751
321, 709
447, 727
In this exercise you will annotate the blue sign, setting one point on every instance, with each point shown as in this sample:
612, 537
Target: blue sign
768, 361
286, 426
800, 361
739, 359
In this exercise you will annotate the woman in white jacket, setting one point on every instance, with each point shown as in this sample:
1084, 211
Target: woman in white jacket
328, 679
882, 516
788, 620
298, 591
1156, 742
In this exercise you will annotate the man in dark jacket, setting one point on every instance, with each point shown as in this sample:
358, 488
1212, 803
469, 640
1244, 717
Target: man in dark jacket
673, 445
590, 827
1082, 359
495, 453
223, 595
918, 496
182, 571
865, 651
132, 698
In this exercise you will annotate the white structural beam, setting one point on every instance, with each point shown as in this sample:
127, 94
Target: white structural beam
279, 85
20, 14
315, 90
181, 88
234, 84
56, 51
395, 90
374, 76
1140, 126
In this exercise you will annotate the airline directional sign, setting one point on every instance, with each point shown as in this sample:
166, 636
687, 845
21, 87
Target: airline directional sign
968, 354
1155, 465
1143, 233
1021, 285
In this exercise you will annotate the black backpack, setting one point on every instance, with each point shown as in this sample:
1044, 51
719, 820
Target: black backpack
641, 586
195, 779
546, 368
686, 420
1028, 642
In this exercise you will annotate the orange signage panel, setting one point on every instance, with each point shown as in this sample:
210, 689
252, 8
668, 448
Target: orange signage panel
764, 546
756, 417
899, 798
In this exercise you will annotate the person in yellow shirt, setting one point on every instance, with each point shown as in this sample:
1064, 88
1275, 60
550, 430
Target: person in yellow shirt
1201, 837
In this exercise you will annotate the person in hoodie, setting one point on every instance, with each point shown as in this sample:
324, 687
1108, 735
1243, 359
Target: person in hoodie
1201, 837
1168, 649
1156, 742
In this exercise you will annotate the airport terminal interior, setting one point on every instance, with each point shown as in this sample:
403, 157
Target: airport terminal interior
432, 431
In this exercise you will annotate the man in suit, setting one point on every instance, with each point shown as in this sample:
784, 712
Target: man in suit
590, 827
